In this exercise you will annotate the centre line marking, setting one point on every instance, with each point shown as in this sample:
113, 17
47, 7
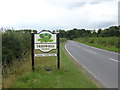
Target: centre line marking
113, 60
84, 48
91, 51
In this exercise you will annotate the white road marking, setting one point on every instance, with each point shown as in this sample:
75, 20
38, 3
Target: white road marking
82, 65
94, 52
99, 49
113, 59
84, 48
91, 51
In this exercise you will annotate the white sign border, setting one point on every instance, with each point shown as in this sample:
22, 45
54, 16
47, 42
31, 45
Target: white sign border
46, 43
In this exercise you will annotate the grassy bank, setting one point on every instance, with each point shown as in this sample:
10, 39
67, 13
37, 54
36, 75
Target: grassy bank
69, 76
107, 43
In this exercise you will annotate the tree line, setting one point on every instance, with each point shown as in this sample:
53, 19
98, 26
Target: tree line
77, 33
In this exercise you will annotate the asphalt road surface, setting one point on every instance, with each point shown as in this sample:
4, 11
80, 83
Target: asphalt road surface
102, 64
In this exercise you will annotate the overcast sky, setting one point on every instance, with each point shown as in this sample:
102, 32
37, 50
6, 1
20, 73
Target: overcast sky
58, 14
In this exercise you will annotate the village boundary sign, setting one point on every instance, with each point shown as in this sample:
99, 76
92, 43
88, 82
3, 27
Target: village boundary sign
45, 41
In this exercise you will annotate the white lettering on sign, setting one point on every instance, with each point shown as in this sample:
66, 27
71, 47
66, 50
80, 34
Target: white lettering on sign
45, 55
45, 41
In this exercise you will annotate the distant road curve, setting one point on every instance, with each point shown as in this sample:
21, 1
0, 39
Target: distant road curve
102, 64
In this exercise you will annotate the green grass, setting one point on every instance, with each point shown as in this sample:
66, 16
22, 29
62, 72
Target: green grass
69, 76
107, 43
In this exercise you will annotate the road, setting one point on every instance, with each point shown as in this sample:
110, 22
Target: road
101, 64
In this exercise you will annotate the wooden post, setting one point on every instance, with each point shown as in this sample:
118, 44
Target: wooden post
58, 50
32, 50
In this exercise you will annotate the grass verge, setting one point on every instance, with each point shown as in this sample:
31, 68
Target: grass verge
69, 75
103, 43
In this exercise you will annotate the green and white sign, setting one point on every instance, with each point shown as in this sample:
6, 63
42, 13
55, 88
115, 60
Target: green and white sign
45, 41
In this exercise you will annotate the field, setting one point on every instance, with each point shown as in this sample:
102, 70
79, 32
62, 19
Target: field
69, 76
107, 43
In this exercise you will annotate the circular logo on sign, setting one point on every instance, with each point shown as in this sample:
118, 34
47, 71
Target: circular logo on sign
45, 37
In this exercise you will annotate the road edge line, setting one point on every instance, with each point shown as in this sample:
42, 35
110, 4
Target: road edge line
94, 76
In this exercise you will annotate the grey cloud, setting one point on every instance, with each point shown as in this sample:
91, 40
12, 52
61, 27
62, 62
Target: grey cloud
67, 4
105, 24
75, 5
88, 26
70, 20
92, 3
119, 13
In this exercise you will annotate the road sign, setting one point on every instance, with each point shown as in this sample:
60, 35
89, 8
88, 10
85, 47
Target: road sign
45, 41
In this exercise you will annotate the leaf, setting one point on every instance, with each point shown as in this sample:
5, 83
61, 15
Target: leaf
41, 35
41, 40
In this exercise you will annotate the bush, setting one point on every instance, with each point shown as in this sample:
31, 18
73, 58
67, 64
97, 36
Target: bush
15, 45
63, 39
105, 41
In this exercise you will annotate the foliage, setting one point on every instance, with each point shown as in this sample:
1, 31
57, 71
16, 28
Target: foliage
77, 33
106, 38
108, 43
15, 45
69, 75
63, 40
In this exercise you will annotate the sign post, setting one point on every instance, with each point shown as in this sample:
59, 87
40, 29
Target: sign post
58, 50
32, 50
45, 41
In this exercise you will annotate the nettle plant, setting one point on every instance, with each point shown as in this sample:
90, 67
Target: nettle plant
46, 37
